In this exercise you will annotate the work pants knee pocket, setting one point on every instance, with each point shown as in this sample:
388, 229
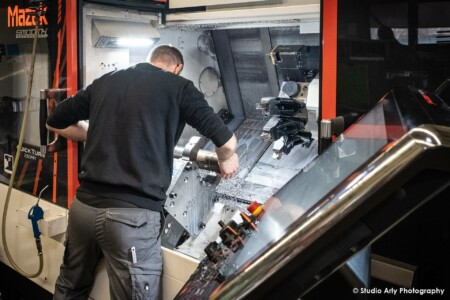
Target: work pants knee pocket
145, 278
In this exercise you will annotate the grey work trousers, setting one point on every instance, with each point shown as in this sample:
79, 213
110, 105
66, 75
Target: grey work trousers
111, 233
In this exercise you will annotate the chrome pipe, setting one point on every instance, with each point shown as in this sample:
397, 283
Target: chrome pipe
208, 160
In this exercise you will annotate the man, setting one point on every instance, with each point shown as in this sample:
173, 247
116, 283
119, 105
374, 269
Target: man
136, 117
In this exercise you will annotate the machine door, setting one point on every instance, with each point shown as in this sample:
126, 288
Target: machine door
380, 170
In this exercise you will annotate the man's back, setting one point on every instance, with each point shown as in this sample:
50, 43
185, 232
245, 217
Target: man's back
134, 119
136, 116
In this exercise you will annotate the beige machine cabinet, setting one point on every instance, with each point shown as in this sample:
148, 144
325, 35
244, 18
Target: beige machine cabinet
177, 268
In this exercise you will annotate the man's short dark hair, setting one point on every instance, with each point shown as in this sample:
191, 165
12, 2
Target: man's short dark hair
168, 54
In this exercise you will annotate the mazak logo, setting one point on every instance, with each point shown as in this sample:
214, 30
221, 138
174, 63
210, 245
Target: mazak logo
21, 17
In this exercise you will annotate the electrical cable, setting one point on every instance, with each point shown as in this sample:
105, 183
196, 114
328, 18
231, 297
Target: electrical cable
16, 162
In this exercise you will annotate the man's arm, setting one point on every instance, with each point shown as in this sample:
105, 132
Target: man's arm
228, 159
197, 113
75, 132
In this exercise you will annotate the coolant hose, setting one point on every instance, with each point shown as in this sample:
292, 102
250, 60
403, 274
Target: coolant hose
16, 162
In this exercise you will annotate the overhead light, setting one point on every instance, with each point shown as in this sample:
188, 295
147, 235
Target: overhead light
135, 42
122, 34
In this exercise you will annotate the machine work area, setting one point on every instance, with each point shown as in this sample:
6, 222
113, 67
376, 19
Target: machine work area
281, 143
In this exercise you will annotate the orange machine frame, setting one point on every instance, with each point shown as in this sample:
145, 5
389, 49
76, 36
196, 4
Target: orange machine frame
329, 58
72, 87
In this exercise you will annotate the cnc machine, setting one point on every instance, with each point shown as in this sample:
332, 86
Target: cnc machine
315, 193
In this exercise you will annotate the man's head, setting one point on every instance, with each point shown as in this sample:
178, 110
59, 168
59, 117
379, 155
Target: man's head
167, 58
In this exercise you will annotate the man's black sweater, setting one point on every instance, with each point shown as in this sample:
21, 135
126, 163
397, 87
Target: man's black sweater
136, 117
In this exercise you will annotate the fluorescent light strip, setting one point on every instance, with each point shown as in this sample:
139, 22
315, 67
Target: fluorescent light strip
134, 42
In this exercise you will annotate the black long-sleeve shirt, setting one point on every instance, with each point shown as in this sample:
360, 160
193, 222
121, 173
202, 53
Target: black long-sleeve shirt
136, 117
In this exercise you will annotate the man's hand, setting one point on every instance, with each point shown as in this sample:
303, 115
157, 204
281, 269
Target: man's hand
75, 132
227, 158
229, 167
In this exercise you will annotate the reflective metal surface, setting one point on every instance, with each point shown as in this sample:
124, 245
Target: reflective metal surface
190, 196
194, 203
325, 129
